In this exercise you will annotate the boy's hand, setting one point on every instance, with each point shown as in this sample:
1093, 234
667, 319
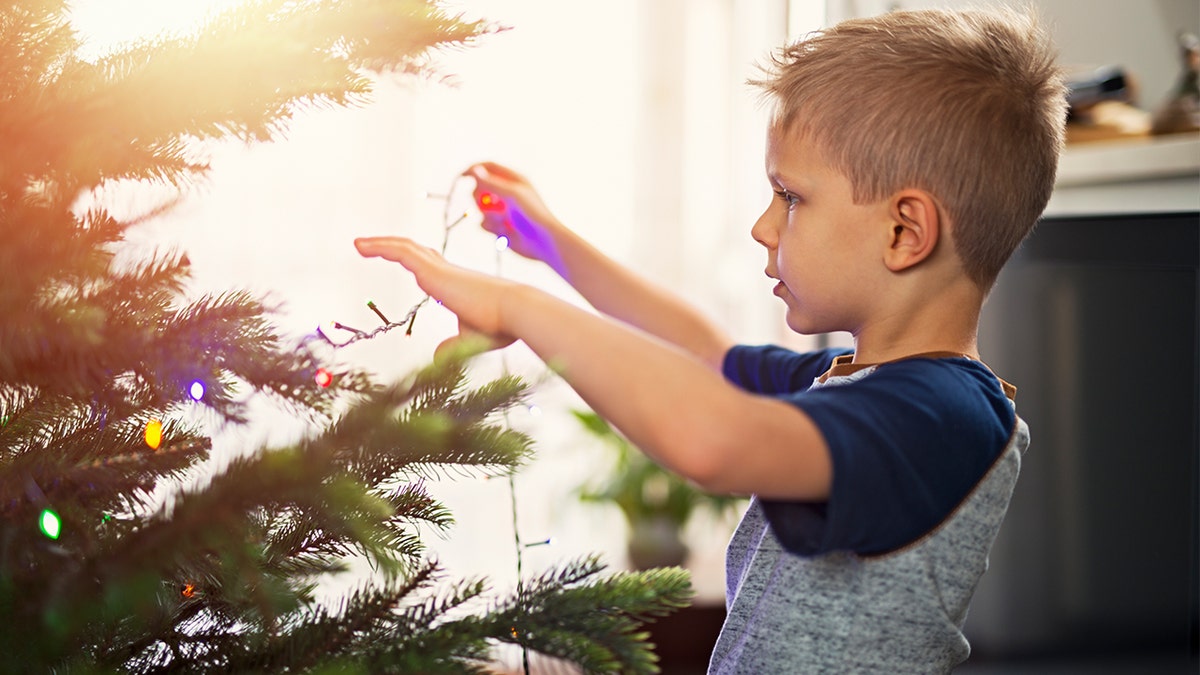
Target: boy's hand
474, 297
512, 208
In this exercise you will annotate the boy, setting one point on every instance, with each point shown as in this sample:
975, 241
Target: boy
909, 155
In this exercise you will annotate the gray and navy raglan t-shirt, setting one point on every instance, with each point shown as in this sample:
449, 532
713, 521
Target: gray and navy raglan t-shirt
878, 578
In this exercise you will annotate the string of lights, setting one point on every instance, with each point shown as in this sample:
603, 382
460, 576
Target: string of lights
409, 318
486, 200
450, 220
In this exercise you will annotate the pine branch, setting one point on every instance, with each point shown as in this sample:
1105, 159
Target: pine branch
412, 503
318, 634
119, 344
85, 461
381, 441
24, 410
344, 514
50, 247
34, 35
492, 397
556, 615
296, 545
244, 75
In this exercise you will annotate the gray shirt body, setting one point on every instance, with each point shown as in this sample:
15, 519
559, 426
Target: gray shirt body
901, 612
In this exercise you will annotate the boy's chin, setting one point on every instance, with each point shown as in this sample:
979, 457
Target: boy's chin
808, 325
802, 325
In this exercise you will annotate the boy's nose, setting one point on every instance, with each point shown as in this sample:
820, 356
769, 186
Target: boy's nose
763, 232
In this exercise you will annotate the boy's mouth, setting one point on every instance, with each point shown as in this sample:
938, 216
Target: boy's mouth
779, 287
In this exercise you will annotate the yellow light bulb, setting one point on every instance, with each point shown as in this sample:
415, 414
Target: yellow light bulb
154, 434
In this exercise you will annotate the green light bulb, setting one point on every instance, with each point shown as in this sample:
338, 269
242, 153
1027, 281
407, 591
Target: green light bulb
50, 523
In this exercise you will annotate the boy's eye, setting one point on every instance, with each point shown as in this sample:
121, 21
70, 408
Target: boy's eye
787, 197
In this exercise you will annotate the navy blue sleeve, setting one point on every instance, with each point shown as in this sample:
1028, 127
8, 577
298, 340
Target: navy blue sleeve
769, 369
908, 443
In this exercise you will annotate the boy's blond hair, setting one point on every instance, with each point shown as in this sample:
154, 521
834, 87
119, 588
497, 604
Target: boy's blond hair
968, 106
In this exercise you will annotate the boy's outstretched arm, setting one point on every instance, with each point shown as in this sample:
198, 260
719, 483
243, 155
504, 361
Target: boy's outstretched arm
513, 208
666, 400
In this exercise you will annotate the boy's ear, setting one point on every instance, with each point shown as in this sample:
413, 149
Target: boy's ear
916, 226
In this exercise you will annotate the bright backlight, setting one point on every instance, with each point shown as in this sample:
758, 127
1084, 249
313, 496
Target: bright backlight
104, 25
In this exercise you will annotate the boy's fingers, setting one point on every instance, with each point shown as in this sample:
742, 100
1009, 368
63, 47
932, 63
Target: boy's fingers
384, 247
468, 341
484, 179
449, 348
397, 249
491, 171
497, 223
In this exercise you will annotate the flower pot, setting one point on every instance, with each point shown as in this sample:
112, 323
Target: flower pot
656, 542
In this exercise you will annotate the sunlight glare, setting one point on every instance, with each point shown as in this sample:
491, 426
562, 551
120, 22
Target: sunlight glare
104, 25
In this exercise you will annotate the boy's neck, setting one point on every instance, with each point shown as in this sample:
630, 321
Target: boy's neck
900, 351
947, 321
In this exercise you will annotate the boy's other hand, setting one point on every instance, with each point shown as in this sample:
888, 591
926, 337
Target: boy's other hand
474, 298
512, 208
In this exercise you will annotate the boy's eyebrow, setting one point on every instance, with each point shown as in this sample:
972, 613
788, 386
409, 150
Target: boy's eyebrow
781, 181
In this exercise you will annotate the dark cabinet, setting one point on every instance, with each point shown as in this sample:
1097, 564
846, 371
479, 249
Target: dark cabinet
1095, 321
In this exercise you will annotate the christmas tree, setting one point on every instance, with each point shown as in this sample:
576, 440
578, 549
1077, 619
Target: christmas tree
109, 371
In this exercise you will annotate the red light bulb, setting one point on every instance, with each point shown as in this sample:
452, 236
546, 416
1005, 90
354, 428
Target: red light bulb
490, 202
324, 378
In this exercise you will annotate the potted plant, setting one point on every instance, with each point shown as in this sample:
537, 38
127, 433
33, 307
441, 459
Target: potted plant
657, 504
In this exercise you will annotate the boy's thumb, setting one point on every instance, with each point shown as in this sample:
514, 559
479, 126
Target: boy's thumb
466, 344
